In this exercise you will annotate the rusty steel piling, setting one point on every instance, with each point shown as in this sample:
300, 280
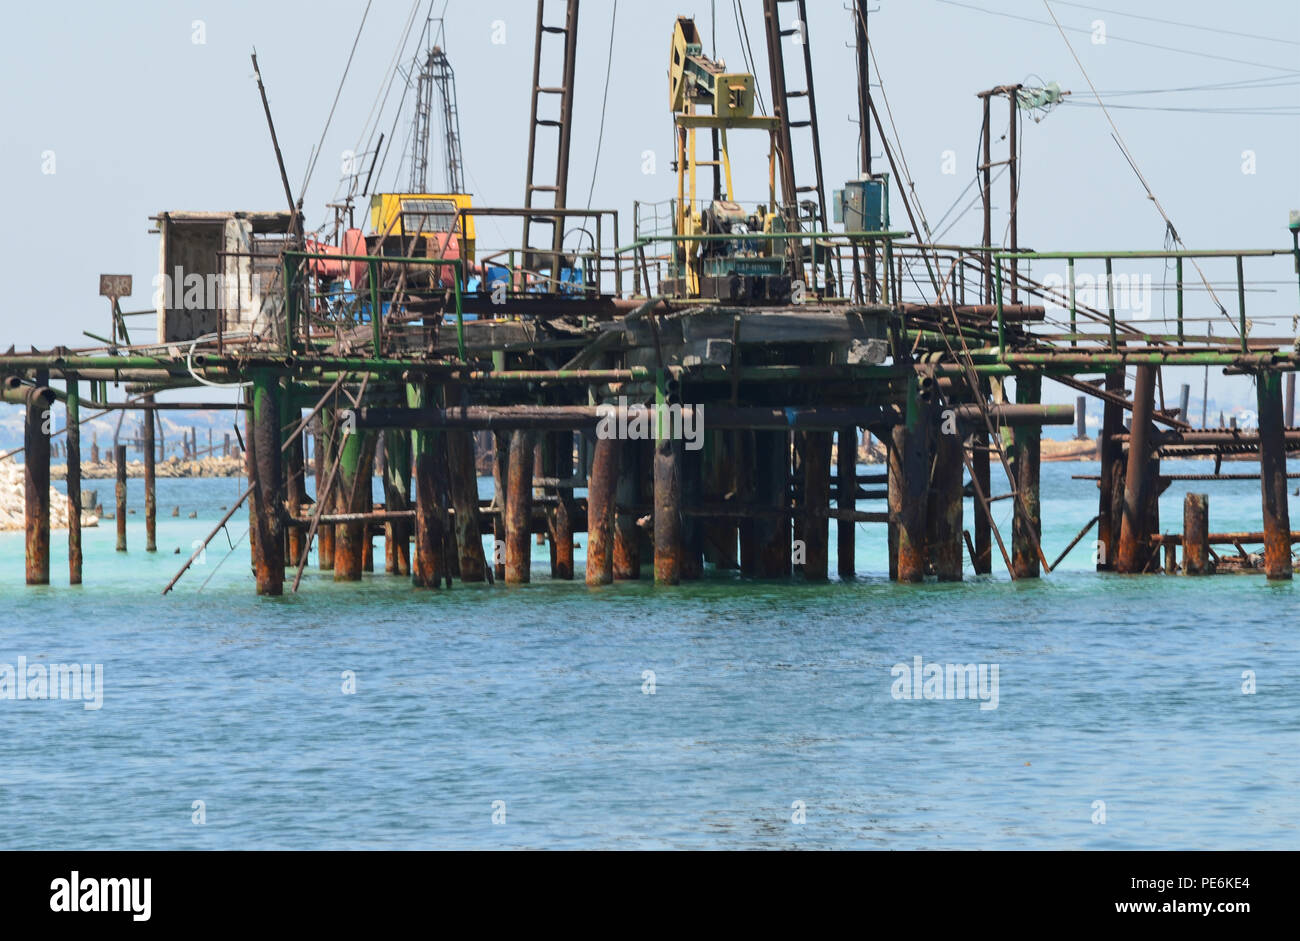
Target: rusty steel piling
500, 475
266, 472
602, 490
463, 479
627, 535
150, 480
397, 498
982, 563
1110, 454
1196, 534
428, 563
1272, 475
355, 463
519, 507
73, 405
559, 448
294, 464
816, 499
944, 530
36, 480
1026, 525
1134, 550
909, 472
846, 490
324, 456
119, 492
667, 511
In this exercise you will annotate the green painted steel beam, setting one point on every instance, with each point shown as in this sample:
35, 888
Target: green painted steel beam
1101, 256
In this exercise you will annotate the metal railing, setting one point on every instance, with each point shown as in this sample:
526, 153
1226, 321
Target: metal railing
1068, 295
293, 281
821, 251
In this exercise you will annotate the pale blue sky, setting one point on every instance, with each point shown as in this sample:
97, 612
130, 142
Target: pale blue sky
141, 118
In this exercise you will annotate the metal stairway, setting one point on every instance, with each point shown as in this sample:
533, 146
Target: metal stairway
548, 253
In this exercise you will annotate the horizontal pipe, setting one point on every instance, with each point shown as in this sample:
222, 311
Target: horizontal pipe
382, 516
559, 375
562, 417
1018, 415
19, 394
814, 418
1217, 539
1225, 436
174, 406
1185, 477
1183, 253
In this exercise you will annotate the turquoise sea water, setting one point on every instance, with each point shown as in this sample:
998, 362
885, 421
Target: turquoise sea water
1126, 690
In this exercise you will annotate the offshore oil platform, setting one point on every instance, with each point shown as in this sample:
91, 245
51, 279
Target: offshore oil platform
781, 330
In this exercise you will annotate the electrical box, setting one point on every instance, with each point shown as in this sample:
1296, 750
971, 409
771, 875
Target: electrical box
863, 205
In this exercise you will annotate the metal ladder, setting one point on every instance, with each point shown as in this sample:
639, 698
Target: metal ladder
781, 103
533, 257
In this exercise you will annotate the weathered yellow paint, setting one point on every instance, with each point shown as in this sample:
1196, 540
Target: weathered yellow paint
386, 210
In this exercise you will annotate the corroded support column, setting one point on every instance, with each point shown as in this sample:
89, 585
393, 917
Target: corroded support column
352, 482
119, 467
500, 476
1272, 477
560, 464
601, 494
464, 497
1111, 455
1196, 534
428, 566
627, 536
816, 504
1026, 523
894, 494
36, 481
372, 470
772, 531
1138, 487
944, 540
325, 453
979, 460
519, 507
74, 482
397, 497
668, 511
267, 504
909, 472
295, 475
150, 481
846, 493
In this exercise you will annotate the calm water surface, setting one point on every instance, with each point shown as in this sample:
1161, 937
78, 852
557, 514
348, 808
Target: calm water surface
1122, 690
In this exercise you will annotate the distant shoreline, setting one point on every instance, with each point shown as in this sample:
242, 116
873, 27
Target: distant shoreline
170, 468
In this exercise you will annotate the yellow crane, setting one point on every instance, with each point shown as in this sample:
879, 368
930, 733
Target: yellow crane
726, 269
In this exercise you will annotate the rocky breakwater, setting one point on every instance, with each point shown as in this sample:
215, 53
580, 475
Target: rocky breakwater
13, 502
